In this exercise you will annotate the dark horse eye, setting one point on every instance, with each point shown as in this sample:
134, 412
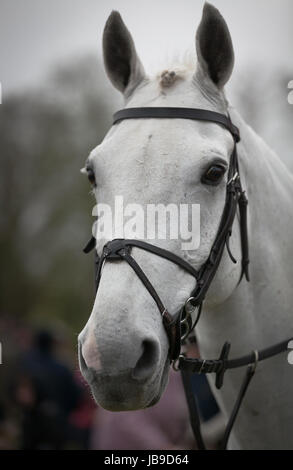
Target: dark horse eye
213, 175
91, 176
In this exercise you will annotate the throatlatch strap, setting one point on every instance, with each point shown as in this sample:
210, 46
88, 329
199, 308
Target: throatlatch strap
188, 366
209, 366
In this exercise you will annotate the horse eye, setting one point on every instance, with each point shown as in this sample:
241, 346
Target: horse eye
91, 176
213, 175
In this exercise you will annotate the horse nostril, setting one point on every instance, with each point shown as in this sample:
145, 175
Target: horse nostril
147, 361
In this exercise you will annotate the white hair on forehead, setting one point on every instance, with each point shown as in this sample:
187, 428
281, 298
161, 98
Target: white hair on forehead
178, 61
184, 66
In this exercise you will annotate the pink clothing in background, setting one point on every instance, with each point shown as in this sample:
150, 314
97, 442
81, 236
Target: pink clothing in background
163, 426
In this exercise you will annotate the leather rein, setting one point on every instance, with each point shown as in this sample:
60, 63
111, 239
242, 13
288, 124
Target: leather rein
179, 326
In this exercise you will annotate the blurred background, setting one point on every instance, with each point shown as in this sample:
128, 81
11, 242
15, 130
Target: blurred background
56, 106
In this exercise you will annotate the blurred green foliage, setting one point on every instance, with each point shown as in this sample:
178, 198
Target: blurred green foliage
45, 136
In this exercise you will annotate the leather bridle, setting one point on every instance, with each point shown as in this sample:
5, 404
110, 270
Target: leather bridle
179, 326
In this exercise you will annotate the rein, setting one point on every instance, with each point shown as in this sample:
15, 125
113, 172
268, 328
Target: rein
179, 326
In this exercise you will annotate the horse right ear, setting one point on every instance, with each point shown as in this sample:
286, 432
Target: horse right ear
122, 63
214, 46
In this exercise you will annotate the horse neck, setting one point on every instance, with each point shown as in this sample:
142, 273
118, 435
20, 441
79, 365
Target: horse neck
269, 187
258, 313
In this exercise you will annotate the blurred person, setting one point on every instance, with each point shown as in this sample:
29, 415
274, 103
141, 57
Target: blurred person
81, 418
46, 392
8, 430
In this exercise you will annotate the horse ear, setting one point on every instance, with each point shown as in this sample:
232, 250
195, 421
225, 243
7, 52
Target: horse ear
214, 46
122, 64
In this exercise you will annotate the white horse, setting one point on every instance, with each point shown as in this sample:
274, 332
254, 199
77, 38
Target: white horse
123, 348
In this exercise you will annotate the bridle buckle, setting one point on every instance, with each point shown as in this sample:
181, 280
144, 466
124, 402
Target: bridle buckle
234, 178
254, 364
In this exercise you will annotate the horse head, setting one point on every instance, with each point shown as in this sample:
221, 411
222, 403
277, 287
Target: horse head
124, 348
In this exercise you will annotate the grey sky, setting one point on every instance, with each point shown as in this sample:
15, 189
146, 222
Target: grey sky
37, 34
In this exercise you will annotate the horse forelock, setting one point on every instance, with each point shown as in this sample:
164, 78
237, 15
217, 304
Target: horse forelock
185, 69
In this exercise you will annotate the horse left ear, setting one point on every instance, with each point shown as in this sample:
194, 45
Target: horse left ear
122, 63
214, 46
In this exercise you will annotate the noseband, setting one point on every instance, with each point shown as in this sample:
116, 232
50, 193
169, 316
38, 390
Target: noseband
179, 326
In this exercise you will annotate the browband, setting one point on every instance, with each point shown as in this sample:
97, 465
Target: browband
178, 113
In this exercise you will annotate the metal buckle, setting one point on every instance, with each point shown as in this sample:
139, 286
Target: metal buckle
186, 333
165, 313
175, 364
187, 301
234, 178
256, 358
184, 321
202, 366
